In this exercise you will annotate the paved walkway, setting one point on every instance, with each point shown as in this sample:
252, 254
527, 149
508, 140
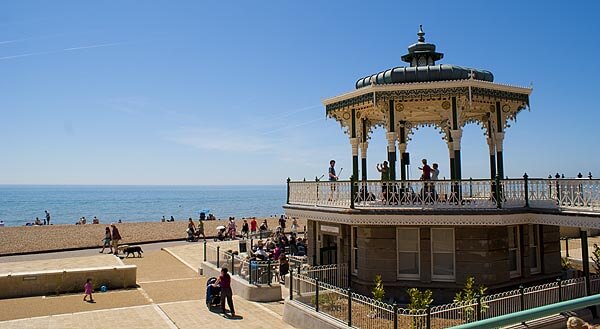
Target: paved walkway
60, 263
575, 251
170, 295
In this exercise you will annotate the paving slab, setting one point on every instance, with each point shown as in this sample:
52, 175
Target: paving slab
18, 308
141, 317
249, 315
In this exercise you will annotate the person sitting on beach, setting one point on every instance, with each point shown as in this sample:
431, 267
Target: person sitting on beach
172, 219
163, 219
106, 240
95, 220
38, 221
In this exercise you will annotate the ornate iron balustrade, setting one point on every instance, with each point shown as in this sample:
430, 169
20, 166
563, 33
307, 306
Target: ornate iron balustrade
561, 194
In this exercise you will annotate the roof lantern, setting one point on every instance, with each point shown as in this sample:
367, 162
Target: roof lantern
422, 57
421, 53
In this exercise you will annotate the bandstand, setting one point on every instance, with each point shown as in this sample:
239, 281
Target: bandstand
435, 234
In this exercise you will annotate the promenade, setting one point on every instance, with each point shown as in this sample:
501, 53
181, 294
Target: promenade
171, 294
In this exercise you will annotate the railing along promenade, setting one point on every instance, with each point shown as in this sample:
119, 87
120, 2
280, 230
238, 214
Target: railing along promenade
357, 311
559, 194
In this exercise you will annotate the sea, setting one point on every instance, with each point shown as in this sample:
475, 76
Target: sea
20, 204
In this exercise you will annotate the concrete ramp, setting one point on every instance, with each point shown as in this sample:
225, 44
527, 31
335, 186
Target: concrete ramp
64, 275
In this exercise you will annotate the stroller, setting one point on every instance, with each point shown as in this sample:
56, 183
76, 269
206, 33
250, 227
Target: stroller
213, 294
220, 233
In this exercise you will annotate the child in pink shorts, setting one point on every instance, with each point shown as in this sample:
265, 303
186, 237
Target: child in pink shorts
88, 291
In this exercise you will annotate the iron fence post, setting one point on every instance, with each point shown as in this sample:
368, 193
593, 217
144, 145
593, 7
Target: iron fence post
522, 297
526, 187
479, 310
205, 250
269, 276
349, 291
317, 295
428, 317
232, 268
567, 245
395, 316
218, 247
559, 281
250, 271
291, 284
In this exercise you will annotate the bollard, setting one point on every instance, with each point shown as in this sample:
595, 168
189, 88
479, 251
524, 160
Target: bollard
205, 250
291, 284
349, 291
218, 247
317, 295
559, 281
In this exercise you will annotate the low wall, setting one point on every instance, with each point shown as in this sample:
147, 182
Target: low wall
300, 316
262, 293
53, 282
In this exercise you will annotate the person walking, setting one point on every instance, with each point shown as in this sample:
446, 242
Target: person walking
245, 229
116, 237
282, 223
88, 288
224, 281
253, 225
191, 230
106, 240
200, 229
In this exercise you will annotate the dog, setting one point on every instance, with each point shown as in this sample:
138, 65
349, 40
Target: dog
132, 251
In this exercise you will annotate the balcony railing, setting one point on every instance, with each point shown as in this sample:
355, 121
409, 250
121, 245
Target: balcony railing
561, 194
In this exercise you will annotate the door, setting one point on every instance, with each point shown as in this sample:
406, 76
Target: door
329, 250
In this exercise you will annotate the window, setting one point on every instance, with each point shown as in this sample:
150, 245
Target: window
354, 250
407, 244
514, 251
534, 249
442, 254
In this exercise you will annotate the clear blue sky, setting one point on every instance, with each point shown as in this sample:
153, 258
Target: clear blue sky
229, 92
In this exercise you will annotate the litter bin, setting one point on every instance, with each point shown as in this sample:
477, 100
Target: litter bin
243, 246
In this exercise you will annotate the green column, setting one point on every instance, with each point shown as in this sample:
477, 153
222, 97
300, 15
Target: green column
499, 141
363, 151
392, 154
456, 140
402, 147
353, 135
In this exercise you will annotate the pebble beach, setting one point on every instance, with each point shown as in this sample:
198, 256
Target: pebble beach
32, 239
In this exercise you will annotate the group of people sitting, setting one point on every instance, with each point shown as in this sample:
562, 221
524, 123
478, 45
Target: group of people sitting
83, 221
277, 249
